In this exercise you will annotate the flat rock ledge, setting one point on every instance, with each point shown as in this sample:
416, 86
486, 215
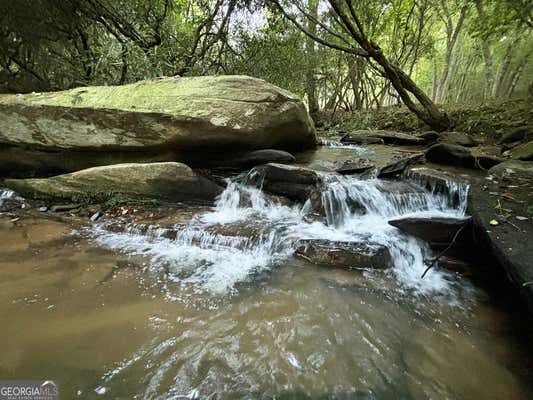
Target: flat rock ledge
506, 236
169, 181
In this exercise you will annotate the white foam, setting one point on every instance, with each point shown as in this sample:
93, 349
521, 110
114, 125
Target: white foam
356, 210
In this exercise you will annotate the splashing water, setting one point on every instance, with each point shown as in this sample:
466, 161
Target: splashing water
247, 232
335, 144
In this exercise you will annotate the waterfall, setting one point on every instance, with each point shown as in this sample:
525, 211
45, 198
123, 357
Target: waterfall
248, 232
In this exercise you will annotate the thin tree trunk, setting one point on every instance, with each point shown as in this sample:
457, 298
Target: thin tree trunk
487, 54
310, 50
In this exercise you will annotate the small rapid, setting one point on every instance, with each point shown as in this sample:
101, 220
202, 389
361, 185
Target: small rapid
248, 232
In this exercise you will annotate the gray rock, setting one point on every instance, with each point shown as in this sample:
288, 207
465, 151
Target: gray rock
388, 137
295, 183
349, 167
450, 154
397, 167
348, 255
523, 152
439, 231
360, 139
513, 169
170, 119
251, 159
514, 135
64, 207
169, 181
460, 138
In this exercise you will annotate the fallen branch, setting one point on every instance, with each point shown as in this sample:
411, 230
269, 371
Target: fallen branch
444, 251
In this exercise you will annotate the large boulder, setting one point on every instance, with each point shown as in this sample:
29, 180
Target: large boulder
170, 119
170, 181
348, 255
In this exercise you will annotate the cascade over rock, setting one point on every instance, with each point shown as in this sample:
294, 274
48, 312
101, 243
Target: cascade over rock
168, 119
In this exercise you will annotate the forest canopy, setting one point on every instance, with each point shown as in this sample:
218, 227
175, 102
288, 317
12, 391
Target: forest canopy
337, 54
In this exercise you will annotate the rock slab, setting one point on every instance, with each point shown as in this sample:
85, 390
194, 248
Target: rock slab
169, 181
169, 119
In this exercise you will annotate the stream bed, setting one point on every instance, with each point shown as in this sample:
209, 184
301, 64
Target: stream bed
218, 306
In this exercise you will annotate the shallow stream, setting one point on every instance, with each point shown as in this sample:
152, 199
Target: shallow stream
218, 305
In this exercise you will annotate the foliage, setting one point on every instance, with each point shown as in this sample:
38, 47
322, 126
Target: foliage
51, 45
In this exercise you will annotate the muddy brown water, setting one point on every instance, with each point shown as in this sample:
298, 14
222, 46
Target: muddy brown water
106, 326
97, 321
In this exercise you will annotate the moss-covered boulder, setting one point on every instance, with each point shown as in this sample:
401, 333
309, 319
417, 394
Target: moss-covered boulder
178, 119
169, 181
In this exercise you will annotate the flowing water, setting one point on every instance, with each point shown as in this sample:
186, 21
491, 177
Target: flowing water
218, 305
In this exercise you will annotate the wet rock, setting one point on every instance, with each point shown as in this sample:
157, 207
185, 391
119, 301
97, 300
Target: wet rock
509, 242
295, 183
388, 137
165, 119
169, 181
513, 169
348, 255
360, 139
450, 154
514, 135
349, 167
64, 207
430, 137
250, 159
438, 231
523, 152
459, 138
397, 167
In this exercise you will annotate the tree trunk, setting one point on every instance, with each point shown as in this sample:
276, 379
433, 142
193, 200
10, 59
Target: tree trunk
487, 54
310, 78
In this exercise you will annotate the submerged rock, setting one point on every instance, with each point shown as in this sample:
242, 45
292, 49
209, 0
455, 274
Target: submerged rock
439, 231
170, 119
348, 255
170, 181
